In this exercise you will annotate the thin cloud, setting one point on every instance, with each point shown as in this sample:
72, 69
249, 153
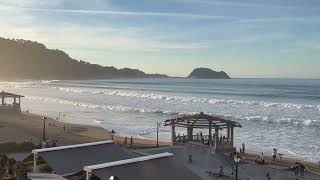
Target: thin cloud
240, 4
279, 19
124, 13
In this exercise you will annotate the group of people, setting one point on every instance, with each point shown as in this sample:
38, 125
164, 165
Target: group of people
217, 173
125, 142
223, 139
299, 168
260, 160
181, 139
47, 143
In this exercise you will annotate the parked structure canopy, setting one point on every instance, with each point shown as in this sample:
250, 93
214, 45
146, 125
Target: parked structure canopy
68, 160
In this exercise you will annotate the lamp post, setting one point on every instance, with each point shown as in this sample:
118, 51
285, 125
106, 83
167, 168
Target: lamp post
44, 128
158, 126
237, 159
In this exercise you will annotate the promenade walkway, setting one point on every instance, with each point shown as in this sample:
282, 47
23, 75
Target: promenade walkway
204, 160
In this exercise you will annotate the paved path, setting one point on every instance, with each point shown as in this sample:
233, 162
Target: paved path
204, 161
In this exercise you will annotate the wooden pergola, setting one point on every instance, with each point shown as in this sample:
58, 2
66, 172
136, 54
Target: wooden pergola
10, 107
204, 121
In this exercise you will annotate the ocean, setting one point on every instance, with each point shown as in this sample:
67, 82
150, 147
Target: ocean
274, 113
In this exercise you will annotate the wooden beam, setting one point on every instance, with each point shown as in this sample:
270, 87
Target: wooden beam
216, 137
210, 133
2, 97
232, 136
173, 134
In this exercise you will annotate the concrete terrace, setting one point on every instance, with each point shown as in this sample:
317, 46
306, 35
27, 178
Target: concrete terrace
204, 160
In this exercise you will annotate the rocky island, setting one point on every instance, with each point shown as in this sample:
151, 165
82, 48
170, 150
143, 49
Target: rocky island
206, 73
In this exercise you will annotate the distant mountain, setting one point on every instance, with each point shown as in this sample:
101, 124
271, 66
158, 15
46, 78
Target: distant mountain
206, 73
24, 59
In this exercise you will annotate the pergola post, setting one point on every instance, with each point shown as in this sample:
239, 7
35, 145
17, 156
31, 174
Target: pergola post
2, 97
173, 132
190, 133
210, 132
232, 136
216, 138
35, 159
228, 132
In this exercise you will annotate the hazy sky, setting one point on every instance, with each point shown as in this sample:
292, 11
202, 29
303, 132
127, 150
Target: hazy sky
247, 38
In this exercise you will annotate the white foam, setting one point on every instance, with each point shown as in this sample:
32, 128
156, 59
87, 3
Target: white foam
187, 99
107, 107
120, 108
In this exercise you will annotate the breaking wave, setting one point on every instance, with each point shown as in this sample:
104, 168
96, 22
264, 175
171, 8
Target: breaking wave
257, 118
26, 84
188, 99
108, 107
284, 120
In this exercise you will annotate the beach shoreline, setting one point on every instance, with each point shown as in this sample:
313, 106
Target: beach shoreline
27, 127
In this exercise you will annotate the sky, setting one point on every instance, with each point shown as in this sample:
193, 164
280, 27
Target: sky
246, 39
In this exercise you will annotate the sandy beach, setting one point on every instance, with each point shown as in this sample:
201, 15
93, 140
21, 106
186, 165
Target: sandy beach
28, 127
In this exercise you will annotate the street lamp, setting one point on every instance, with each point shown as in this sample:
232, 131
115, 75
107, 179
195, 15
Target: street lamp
237, 159
158, 126
44, 128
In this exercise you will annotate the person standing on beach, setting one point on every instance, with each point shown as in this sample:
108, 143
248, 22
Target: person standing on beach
190, 158
262, 159
275, 153
131, 142
243, 148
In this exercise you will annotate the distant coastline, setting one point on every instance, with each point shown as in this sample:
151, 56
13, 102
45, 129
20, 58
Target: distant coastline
25, 59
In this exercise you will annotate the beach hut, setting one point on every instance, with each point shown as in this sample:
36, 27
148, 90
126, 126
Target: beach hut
10, 103
70, 160
204, 121
155, 167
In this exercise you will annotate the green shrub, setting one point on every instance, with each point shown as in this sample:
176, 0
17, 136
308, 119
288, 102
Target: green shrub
13, 147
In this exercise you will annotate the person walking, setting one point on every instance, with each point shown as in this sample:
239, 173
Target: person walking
275, 153
243, 148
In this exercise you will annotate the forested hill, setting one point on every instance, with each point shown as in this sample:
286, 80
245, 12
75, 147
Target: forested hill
24, 59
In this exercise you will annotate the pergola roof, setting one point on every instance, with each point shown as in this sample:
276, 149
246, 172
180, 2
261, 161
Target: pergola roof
9, 95
201, 121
